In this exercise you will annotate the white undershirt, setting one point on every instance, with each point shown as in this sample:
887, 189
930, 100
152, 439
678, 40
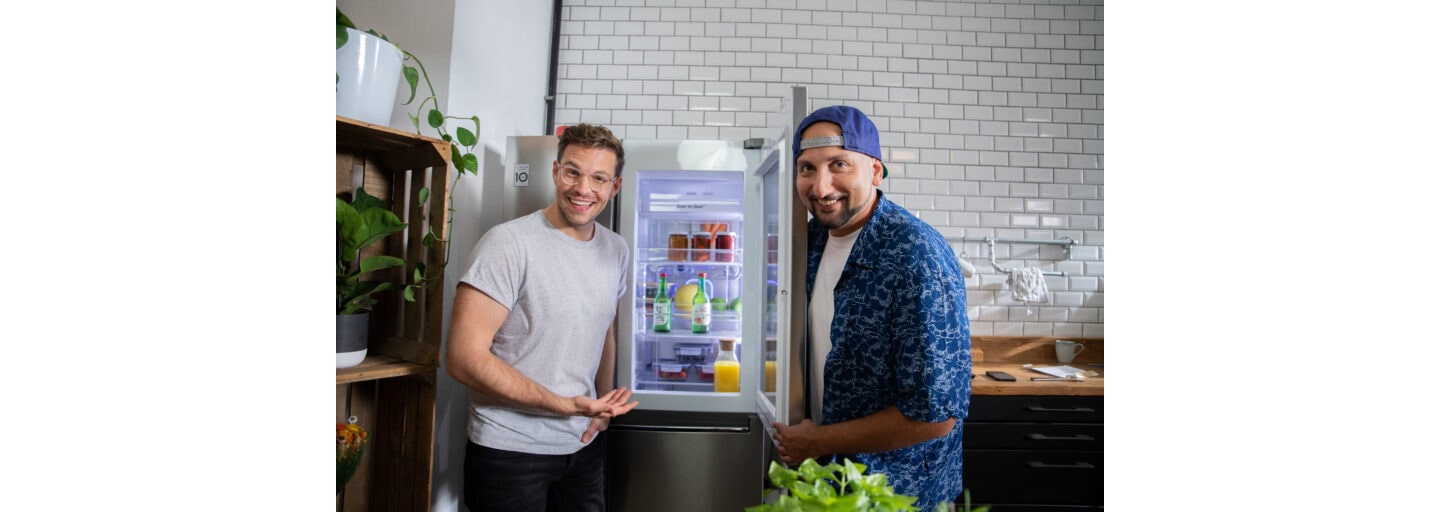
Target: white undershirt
822, 312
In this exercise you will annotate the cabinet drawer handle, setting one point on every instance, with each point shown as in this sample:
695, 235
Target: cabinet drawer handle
1077, 465
1076, 437
1037, 408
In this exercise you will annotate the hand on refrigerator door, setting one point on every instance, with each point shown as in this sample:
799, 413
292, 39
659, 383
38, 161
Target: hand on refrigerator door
883, 431
798, 442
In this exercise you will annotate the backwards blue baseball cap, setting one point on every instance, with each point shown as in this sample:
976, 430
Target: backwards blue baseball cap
857, 133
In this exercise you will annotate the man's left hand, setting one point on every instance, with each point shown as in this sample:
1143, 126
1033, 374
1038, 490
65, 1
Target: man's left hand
795, 443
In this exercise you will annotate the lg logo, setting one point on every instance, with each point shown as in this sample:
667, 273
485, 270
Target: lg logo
522, 175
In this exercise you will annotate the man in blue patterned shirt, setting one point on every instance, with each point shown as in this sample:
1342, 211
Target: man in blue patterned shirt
889, 334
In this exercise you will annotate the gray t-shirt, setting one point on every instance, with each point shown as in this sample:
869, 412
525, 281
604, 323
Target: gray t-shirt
562, 295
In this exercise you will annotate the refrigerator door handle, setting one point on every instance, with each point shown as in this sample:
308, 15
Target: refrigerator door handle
680, 428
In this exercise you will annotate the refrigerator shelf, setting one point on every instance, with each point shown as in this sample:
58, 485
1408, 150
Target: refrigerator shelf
689, 268
678, 375
688, 337
716, 258
682, 388
722, 324
715, 315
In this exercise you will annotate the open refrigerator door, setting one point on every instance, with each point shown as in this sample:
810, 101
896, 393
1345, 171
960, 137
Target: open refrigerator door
782, 391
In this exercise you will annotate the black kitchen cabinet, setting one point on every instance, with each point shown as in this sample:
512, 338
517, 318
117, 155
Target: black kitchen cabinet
1035, 453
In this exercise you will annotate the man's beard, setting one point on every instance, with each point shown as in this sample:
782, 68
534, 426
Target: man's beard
840, 220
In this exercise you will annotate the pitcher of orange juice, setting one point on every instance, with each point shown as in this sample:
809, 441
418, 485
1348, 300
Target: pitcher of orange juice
727, 368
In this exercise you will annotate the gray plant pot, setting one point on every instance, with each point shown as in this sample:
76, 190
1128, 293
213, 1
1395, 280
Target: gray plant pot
351, 339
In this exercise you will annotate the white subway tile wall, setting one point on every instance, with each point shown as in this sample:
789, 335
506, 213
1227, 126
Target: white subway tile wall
991, 113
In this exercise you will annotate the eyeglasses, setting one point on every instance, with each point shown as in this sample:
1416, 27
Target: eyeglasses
572, 176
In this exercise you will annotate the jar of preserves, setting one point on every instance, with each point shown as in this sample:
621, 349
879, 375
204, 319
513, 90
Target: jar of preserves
725, 246
700, 246
679, 246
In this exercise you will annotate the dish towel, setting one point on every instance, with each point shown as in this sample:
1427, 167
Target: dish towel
1028, 285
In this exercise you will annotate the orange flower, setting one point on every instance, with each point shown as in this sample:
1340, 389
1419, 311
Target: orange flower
349, 435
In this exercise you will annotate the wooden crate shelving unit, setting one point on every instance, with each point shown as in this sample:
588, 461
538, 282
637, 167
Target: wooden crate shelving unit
393, 391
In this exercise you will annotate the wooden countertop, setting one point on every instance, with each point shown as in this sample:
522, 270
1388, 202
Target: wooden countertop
983, 385
1010, 354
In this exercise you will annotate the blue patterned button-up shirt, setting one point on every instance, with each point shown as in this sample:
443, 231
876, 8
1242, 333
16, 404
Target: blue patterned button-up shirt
901, 337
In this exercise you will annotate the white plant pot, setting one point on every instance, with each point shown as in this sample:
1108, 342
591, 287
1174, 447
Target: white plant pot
369, 76
349, 359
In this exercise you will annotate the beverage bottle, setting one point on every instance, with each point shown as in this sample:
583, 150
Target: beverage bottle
700, 308
727, 368
662, 306
770, 365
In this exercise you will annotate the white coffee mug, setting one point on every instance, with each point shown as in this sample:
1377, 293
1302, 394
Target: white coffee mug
1066, 350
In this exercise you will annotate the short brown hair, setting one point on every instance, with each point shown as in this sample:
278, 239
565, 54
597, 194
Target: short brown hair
593, 136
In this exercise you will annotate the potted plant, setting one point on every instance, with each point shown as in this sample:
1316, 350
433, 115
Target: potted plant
359, 225
839, 488
462, 143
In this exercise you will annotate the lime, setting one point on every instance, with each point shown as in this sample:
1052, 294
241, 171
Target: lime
735, 304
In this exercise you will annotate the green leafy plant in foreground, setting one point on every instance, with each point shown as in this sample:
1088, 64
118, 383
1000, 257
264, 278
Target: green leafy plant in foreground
839, 488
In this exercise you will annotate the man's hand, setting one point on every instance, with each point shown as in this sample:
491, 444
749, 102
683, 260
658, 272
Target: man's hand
882, 431
607, 406
615, 405
597, 425
797, 443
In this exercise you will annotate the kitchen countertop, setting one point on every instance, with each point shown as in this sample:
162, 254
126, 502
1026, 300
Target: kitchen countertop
1010, 354
984, 385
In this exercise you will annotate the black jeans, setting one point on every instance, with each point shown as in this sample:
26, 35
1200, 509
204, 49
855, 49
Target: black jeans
507, 481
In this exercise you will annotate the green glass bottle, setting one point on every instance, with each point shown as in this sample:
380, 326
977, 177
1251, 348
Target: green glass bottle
662, 306
700, 308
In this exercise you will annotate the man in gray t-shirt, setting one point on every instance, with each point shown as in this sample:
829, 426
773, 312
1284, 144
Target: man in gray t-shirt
531, 336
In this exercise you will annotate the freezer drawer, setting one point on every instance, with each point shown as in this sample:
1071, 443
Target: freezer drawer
666, 461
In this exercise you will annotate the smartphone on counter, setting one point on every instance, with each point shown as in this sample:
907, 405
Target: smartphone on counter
1000, 376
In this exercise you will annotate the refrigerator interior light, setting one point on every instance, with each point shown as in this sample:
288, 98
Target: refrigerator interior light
709, 154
